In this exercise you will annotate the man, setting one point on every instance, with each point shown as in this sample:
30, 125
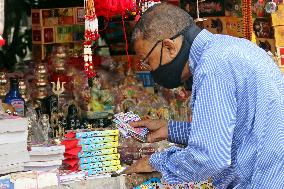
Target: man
236, 136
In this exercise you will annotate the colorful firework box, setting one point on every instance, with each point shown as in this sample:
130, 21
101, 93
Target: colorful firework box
122, 121
92, 152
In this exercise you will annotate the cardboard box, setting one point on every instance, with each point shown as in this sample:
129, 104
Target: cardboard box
49, 17
215, 25
64, 34
78, 32
43, 35
79, 15
66, 16
36, 17
59, 16
277, 17
36, 35
234, 26
267, 44
279, 33
37, 52
280, 53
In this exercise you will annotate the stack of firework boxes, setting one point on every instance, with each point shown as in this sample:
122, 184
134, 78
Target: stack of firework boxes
92, 152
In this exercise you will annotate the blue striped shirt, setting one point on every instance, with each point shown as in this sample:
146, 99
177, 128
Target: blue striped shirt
236, 136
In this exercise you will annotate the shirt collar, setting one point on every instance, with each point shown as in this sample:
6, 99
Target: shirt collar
198, 47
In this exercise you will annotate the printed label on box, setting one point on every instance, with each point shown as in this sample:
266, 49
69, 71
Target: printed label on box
266, 44
48, 35
279, 33
80, 14
36, 33
234, 26
36, 18
280, 50
64, 34
282, 61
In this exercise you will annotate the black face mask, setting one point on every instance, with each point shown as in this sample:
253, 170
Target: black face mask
169, 75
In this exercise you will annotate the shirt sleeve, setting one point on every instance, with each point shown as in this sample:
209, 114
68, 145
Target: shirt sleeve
209, 143
178, 131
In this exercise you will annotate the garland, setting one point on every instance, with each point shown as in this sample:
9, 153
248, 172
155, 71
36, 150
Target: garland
91, 34
247, 19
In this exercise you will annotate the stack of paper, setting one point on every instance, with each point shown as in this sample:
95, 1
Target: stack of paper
45, 158
13, 145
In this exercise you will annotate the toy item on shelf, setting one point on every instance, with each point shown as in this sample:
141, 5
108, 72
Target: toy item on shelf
13, 144
101, 99
73, 121
45, 158
4, 87
23, 88
40, 82
92, 152
122, 121
39, 126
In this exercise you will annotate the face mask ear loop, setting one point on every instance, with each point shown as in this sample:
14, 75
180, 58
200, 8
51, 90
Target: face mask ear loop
161, 54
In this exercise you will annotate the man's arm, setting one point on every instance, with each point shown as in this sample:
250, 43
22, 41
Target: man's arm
178, 131
210, 139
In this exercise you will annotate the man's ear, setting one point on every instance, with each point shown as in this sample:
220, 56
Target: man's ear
171, 47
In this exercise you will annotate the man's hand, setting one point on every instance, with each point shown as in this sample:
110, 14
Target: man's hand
158, 129
140, 166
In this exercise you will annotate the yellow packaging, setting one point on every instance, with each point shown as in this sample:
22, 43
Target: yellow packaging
279, 33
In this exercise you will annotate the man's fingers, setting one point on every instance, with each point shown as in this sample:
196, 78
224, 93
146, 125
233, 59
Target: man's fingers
156, 136
129, 170
142, 123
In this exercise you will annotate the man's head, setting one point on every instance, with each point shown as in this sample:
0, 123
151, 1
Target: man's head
158, 42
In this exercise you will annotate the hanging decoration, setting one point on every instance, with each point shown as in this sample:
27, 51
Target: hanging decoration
198, 19
2, 41
91, 34
247, 19
110, 8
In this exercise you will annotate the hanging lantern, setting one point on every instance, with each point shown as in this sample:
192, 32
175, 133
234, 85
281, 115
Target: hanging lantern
2, 41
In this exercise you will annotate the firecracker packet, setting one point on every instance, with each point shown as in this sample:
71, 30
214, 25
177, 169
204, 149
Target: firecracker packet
122, 121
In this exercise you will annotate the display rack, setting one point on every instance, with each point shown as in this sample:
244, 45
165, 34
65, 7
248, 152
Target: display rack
56, 26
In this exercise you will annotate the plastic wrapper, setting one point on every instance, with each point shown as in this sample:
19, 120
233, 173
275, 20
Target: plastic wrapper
39, 127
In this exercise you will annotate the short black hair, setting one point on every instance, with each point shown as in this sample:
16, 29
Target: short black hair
161, 21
